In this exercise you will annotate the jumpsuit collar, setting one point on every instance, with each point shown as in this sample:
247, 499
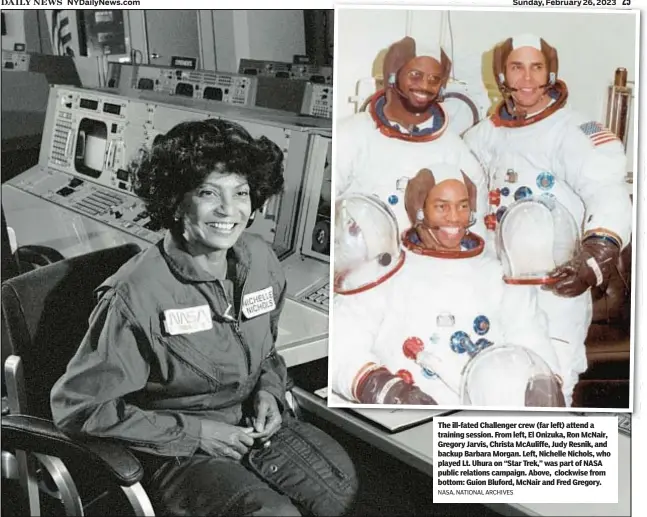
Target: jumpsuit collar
503, 118
435, 120
438, 120
182, 263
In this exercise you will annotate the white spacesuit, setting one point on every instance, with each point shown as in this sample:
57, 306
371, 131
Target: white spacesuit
377, 156
446, 304
557, 152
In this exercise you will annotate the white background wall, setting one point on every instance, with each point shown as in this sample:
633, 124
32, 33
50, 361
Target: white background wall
15, 23
275, 35
23, 27
590, 45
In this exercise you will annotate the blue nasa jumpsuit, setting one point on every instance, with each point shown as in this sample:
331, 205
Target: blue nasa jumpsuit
132, 381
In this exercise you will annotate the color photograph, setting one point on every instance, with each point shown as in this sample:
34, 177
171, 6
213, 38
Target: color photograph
483, 187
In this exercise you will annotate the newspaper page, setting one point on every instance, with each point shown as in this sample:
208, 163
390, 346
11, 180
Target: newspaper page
415, 318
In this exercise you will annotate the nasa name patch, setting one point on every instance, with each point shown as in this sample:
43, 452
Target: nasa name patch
188, 321
259, 302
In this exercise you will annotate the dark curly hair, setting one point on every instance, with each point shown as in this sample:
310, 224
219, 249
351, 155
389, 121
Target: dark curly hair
179, 161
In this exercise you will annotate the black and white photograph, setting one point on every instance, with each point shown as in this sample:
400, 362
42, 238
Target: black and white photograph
166, 194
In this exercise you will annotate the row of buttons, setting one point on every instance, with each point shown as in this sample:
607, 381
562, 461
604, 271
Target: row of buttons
321, 296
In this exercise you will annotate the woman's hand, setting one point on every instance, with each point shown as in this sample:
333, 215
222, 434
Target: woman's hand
225, 440
267, 417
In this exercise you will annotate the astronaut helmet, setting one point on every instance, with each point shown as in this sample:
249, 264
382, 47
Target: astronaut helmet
510, 376
367, 243
535, 235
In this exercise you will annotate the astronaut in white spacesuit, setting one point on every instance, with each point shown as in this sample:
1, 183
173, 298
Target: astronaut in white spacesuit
404, 128
533, 144
445, 301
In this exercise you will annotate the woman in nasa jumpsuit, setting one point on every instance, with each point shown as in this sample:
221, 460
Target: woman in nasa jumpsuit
451, 304
179, 362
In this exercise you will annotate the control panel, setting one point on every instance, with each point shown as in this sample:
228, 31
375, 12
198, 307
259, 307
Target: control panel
15, 61
116, 209
317, 100
317, 203
282, 70
234, 89
91, 138
318, 296
57, 69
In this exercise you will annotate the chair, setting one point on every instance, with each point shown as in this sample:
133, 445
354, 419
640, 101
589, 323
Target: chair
46, 313
14, 263
9, 263
25, 258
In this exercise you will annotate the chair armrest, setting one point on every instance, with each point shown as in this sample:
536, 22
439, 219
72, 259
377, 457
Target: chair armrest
39, 255
35, 434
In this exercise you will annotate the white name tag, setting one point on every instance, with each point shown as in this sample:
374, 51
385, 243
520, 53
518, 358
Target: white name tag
187, 321
260, 302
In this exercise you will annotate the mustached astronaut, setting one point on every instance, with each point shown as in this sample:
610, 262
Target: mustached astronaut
535, 145
404, 128
443, 301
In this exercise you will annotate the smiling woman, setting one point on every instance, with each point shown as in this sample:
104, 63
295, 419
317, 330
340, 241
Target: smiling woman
180, 361
194, 153
203, 180
212, 218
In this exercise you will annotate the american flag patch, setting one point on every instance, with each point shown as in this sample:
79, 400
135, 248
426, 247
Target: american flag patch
597, 133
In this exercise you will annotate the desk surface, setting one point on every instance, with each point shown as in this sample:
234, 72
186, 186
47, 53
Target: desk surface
414, 447
303, 333
36, 221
